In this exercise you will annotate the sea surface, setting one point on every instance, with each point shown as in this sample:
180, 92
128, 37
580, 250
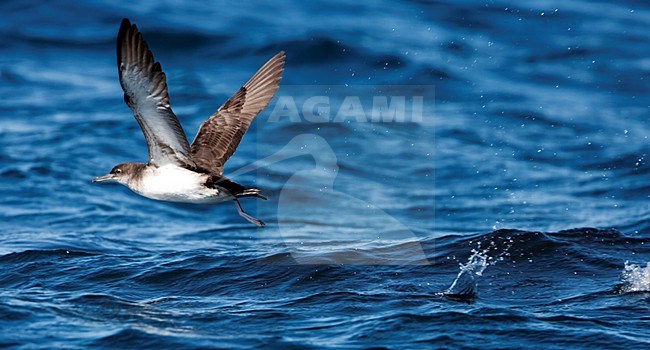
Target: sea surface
509, 209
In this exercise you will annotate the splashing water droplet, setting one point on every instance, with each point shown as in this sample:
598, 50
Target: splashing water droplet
486, 253
465, 284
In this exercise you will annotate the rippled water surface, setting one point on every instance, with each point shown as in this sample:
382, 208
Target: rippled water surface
515, 214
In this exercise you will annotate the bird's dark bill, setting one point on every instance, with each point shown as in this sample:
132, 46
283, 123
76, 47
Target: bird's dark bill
103, 178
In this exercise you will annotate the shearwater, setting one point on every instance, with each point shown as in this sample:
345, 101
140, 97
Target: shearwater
177, 171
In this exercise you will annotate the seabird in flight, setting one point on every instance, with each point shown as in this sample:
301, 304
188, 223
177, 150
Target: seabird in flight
178, 171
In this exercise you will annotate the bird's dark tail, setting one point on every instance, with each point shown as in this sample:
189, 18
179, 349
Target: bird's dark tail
235, 189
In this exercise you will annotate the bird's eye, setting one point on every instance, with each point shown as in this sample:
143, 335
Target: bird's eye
117, 171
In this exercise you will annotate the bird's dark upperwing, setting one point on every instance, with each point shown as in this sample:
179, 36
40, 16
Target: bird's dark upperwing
219, 136
145, 92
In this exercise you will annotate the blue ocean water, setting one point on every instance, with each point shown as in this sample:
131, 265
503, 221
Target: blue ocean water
515, 214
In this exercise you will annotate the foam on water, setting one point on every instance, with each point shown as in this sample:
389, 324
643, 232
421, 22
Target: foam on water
635, 278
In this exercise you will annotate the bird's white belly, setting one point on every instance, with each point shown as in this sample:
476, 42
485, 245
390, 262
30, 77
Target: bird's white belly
176, 184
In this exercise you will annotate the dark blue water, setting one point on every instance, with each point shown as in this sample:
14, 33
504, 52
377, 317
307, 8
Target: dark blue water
464, 229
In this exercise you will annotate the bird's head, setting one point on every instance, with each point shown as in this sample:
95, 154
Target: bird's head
122, 173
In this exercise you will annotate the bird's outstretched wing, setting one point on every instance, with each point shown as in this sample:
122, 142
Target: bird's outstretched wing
219, 136
145, 92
